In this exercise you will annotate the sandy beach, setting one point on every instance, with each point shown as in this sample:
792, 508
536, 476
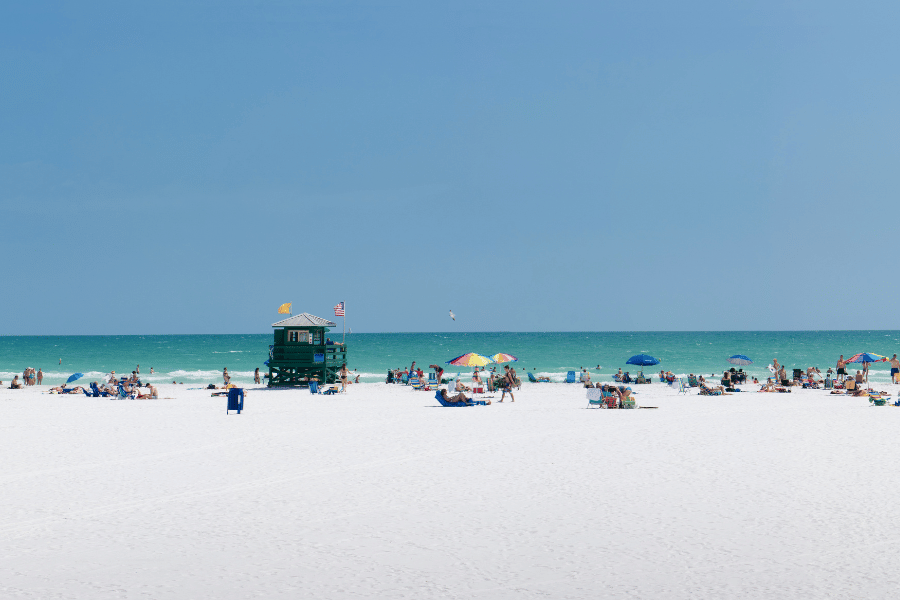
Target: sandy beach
381, 493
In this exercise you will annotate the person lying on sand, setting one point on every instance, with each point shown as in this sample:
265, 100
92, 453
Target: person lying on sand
718, 390
459, 398
146, 393
62, 389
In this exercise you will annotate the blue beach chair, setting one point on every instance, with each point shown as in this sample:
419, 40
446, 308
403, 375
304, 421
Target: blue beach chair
570, 377
314, 387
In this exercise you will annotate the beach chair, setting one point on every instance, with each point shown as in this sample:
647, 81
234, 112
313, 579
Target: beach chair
314, 387
404, 379
416, 383
570, 377
692, 381
432, 379
123, 394
629, 403
473, 402
451, 387
235, 400
611, 399
595, 397
683, 386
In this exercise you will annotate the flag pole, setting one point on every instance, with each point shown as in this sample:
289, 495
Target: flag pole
344, 323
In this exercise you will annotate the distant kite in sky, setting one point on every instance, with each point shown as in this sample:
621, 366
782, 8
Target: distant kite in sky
452, 316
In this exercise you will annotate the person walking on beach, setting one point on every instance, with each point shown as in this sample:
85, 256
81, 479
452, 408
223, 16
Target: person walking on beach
841, 368
225, 376
895, 369
345, 375
507, 384
138, 370
40, 374
256, 375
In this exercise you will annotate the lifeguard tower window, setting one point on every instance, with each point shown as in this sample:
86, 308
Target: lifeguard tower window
299, 337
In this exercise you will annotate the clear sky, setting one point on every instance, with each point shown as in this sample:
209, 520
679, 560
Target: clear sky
186, 167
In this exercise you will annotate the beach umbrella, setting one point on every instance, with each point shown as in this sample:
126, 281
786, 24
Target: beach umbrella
74, 376
740, 360
502, 358
470, 359
866, 357
642, 360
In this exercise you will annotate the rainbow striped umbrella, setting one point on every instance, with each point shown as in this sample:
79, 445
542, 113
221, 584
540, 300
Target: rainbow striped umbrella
470, 359
866, 357
502, 358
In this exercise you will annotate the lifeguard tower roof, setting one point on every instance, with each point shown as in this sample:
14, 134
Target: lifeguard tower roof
304, 320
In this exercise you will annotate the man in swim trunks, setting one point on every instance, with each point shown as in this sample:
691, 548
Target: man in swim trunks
841, 368
895, 369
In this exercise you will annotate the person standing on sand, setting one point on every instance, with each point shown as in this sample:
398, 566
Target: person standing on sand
40, 374
225, 376
841, 368
256, 375
895, 369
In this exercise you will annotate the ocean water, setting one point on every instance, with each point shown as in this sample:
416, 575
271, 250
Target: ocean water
199, 359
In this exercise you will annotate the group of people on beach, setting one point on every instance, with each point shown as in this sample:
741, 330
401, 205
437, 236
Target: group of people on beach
504, 383
30, 377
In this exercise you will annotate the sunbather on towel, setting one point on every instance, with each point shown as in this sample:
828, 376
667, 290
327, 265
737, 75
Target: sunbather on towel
717, 390
459, 398
146, 393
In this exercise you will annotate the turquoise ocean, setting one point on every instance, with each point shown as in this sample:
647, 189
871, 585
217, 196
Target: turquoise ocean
195, 359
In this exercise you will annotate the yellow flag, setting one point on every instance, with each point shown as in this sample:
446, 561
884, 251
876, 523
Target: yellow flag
284, 309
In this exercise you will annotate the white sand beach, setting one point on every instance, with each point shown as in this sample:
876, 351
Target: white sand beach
381, 493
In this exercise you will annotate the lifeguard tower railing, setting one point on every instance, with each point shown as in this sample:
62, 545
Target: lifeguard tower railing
296, 365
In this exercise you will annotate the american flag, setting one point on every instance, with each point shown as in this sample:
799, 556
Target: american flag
339, 309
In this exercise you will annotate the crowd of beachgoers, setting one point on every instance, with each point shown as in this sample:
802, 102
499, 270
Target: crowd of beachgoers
838, 380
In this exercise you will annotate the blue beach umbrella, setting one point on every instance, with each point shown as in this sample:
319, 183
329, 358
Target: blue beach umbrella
739, 359
74, 376
642, 360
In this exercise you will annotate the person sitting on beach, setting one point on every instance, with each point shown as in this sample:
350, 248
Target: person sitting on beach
461, 387
459, 398
850, 384
626, 378
726, 379
586, 379
476, 377
15, 385
858, 378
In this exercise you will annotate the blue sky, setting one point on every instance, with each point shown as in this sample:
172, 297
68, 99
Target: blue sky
186, 167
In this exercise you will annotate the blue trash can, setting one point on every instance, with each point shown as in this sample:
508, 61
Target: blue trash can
235, 400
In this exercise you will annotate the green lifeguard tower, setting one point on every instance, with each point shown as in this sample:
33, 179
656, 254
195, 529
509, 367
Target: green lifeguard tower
300, 352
